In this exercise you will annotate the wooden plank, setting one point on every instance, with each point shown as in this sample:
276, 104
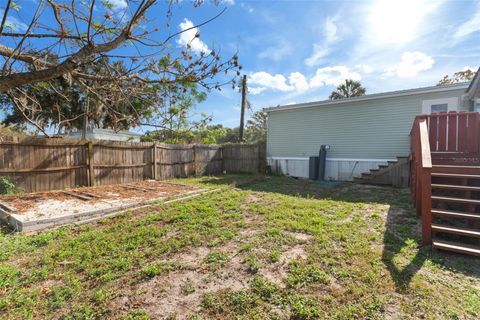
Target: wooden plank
472, 133
6, 207
442, 132
452, 132
91, 171
462, 131
79, 196
433, 132
34, 170
119, 165
425, 145
154, 162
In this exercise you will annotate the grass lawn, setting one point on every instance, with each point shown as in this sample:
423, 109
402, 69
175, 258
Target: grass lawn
257, 248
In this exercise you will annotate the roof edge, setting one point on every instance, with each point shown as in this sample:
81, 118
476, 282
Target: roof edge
373, 96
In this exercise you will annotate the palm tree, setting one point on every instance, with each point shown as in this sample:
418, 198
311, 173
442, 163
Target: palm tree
350, 88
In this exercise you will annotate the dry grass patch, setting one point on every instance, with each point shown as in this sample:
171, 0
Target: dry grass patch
262, 248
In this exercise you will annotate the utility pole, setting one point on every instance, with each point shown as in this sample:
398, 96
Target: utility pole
242, 112
85, 119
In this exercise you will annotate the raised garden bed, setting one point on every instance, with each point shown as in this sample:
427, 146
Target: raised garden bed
45, 210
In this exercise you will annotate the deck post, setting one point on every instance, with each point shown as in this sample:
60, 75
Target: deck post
426, 205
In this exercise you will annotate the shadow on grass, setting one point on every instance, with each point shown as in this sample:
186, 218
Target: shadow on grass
401, 254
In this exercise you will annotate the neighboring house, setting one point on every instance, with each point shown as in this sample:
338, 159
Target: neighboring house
105, 134
363, 132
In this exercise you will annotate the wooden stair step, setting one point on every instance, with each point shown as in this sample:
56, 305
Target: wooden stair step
455, 187
455, 175
456, 200
455, 214
456, 230
456, 247
454, 169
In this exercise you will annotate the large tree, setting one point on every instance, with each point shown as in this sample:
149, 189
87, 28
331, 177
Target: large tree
111, 52
349, 88
464, 75
257, 128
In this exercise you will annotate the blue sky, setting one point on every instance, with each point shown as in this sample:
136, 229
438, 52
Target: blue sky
298, 51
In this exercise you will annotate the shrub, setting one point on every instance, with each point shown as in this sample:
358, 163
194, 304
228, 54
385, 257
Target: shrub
7, 186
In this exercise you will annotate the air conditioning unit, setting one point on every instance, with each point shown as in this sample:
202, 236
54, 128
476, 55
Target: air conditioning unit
476, 105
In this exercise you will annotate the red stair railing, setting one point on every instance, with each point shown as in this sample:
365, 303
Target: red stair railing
451, 137
420, 176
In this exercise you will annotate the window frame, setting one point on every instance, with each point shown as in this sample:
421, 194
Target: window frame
452, 104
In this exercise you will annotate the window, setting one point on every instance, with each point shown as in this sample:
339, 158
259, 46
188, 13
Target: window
441, 107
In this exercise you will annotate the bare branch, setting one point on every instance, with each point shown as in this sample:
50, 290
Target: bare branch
5, 14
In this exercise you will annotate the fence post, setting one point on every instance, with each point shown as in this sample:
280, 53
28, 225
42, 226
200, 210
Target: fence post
194, 159
222, 156
91, 178
261, 157
154, 161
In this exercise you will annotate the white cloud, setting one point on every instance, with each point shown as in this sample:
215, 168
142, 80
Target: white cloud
277, 52
298, 81
331, 29
266, 80
256, 90
118, 4
228, 2
364, 68
262, 81
333, 76
322, 49
410, 65
190, 39
469, 27
319, 52
247, 7
13, 23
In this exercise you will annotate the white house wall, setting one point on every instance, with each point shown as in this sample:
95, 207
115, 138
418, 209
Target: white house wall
335, 169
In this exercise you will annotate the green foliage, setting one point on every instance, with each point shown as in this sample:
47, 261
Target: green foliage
349, 88
264, 288
302, 274
305, 309
216, 258
12, 131
352, 265
156, 269
136, 314
256, 130
464, 75
7, 186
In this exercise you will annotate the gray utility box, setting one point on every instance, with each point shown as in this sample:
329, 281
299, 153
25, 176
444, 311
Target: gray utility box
313, 168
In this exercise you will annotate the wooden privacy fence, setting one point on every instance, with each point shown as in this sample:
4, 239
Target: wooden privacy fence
37, 164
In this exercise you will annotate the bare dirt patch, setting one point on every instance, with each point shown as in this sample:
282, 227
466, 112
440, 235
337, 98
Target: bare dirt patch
179, 293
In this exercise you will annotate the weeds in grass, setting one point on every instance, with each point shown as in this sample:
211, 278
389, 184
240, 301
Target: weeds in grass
361, 258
